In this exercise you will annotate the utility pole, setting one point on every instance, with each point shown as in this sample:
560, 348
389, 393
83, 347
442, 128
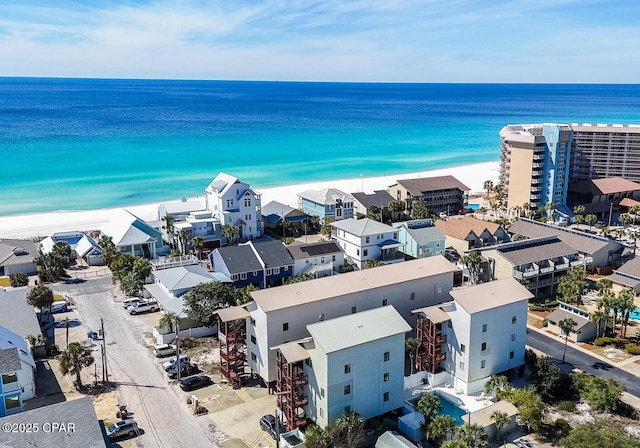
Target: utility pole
105, 375
178, 348
66, 324
103, 363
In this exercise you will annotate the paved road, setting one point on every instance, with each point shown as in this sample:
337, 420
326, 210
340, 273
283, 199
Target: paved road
553, 347
158, 410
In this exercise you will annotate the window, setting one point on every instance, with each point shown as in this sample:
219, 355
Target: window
386, 356
322, 392
353, 310
462, 348
254, 358
439, 290
513, 320
484, 346
347, 389
276, 271
255, 273
513, 337
12, 402
347, 368
269, 271
384, 302
449, 324
253, 339
380, 236
347, 409
482, 364
385, 396
229, 203
385, 377
247, 202
484, 328
308, 362
365, 253
235, 277
333, 258
9, 378
285, 326
358, 252
321, 412
413, 296
395, 235
511, 355
243, 276
253, 322
366, 240
461, 365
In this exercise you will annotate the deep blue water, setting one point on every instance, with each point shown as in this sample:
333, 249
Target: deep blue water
93, 143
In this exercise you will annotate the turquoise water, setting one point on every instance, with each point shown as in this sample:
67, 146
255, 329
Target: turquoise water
473, 206
83, 144
448, 408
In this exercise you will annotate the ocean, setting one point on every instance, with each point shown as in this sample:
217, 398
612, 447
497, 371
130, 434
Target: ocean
83, 144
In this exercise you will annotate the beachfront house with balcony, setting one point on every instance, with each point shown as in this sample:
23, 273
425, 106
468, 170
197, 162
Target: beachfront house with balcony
365, 239
329, 203
597, 251
201, 223
234, 203
318, 259
18, 316
378, 200
132, 235
420, 238
441, 194
482, 332
280, 315
18, 256
353, 363
467, 233
540, 262
83, 247
276, 214
17, 370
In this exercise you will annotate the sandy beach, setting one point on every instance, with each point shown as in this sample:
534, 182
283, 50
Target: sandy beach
43, 224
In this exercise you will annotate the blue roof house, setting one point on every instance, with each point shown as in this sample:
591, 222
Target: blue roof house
420, 238
328, 203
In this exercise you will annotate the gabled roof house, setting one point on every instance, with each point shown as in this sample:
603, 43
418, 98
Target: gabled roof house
132, 235
365, 239
18, 256
329, 203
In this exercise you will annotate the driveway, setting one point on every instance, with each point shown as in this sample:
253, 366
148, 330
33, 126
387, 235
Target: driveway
161, 413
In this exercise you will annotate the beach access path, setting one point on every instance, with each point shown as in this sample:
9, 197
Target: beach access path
44, 224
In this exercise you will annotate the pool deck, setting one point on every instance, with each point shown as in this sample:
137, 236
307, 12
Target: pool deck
470, 403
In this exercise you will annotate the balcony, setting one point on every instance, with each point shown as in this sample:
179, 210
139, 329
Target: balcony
547, 270
535, 197
439, 357
560, 267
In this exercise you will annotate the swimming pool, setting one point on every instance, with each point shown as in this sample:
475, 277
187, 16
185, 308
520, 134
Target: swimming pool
448, 408
473, 206
635, 314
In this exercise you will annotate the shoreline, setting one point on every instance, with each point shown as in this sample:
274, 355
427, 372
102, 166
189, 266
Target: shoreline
44, 224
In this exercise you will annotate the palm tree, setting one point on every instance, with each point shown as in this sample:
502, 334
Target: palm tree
168, 320
578, 212
349, 429
183, 240
488, 185
597, 316
590, 219
73, 359
501, 419
317, 437
625, 219
168, 226
472, 262
635, 211
567, 325
497, 384
229, 232
483, 210
452, 444
40, 297
627, 306
198, 243
411, 345
472, 436
395, 207
440, 427
373, 263
428, 405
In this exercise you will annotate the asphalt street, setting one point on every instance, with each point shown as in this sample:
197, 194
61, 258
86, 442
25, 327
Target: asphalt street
160, 412
553, 347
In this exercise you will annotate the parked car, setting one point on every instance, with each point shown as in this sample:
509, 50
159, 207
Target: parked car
186, 369
451, 255
630, 230
122, 428
126, 303
59, 306
172, 361
195, 382
268, 425
163, 350
143, 307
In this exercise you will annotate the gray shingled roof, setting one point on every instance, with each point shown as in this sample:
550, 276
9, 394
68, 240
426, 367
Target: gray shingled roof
425, 235
530, 251
86, 431
273, 253
417, 186
17, 251
302, 251
581, 242
379, 198
631, 268
9, 360
16, 314
239, 259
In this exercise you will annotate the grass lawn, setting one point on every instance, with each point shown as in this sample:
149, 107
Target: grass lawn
4, 281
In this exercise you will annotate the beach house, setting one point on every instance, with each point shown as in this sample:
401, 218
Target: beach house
276, 214
234, 203
18, 256
467, 233
482, 332
353, 363
420, 238
318, 259
327, 204
441, 194
132, 235
17, 368
280, 315
18, 316
378, 200
83, 247
366, 239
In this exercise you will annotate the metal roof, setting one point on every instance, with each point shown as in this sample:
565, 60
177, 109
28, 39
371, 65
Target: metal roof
424, 235
326, 196
295, 294
434, 313
122, 230
233, 313
186, 277
355, 329
9, 339
485, 296
362, 227
168, 301
293, 352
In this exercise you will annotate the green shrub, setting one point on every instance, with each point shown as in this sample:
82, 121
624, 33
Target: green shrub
600, 342
545, 323
567, 406
633, 349
288, 240
537, 308
562, 426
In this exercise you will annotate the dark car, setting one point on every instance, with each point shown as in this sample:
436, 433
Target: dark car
195, 382
268, 424
186, 369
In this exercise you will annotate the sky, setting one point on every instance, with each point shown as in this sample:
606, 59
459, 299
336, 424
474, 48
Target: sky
522, 41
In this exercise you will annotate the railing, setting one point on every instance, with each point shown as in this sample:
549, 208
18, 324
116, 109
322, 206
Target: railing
173, 262
546, 270
562, 266
394, 256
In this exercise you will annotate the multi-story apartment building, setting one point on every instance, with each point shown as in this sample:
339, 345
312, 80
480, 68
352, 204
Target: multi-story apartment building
534, 164
538, 161
280, 315
353, 363
234, 203
442, 194
482, 332
329, 203
365, 239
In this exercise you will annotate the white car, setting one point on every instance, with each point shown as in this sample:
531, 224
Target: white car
171, 362
631, 230
143, 307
